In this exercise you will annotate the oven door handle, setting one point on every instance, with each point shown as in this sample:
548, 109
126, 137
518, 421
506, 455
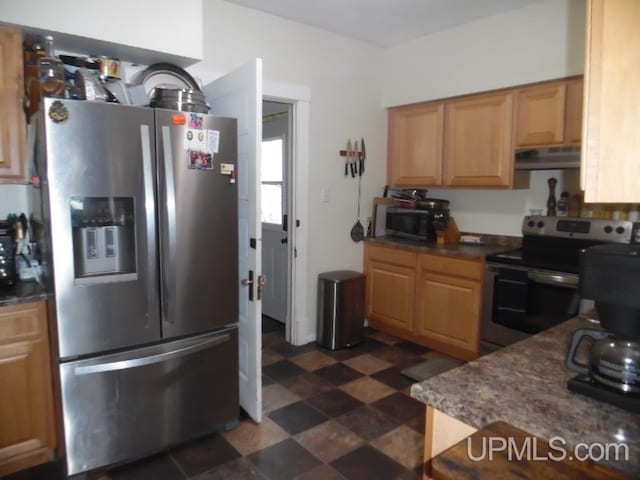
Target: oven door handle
556, 280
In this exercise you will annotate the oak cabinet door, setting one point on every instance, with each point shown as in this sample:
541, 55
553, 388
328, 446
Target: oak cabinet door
540, 115
12, 119
478, 148
26, 405
415, 145
391, 283
573, 112
610, 164
448, 311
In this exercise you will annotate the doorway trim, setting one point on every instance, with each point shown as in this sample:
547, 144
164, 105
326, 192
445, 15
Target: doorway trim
298, 330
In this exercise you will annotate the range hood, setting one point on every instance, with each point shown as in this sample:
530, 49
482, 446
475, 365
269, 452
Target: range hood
552, 158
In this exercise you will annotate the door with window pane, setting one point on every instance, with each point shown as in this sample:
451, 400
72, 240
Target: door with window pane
274, 236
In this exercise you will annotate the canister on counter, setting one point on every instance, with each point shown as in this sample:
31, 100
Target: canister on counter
109, 68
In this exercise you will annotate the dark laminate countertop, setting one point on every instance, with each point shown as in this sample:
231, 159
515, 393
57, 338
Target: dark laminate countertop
525, 385
22, 292
492, 245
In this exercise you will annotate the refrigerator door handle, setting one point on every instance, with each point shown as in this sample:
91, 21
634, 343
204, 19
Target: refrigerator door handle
149, 202
169, 234
151, 359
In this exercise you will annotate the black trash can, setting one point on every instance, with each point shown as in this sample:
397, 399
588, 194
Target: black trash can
340, 309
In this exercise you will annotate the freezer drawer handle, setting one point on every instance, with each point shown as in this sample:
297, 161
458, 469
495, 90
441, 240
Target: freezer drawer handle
151, 359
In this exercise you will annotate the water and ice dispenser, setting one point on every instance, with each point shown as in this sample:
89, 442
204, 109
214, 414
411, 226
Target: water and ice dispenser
103, 235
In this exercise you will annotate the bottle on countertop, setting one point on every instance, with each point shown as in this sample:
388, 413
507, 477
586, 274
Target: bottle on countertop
634, 213
575, 205
52, 80
551, 201
563, 205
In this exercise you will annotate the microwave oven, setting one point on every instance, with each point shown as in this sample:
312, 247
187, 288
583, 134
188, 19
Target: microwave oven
410, 223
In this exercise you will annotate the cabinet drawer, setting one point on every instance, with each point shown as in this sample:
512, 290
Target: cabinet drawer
391, 255
451, 266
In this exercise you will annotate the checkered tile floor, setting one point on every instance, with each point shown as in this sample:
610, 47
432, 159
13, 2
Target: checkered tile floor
328, 415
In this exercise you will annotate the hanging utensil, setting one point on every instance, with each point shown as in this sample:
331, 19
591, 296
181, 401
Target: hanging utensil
362, 156
357, 231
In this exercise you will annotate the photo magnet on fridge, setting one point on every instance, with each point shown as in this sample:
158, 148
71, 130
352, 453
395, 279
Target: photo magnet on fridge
199, 160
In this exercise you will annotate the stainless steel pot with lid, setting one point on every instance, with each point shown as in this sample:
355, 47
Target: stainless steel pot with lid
432, 204
183, 99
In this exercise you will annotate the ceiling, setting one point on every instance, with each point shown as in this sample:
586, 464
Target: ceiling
384, 22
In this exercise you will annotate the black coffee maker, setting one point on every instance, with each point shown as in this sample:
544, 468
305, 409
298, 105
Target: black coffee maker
610, 275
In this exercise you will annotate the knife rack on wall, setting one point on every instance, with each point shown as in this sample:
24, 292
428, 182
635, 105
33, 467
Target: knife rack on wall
355, 155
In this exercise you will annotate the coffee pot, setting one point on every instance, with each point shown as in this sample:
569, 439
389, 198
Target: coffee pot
610, 276
614, 361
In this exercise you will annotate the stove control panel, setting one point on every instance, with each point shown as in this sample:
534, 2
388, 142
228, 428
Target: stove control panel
598, 229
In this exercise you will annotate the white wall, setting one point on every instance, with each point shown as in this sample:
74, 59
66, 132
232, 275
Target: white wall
14, 199
343, 77
539, 42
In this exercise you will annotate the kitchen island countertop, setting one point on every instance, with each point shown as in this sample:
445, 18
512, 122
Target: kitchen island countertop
22, 292
525, 384
492, 245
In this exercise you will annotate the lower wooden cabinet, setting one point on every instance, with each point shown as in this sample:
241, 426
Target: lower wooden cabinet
391, 281
432, 300
27, 435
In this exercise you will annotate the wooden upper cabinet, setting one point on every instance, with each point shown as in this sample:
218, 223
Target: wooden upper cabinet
611, 147
415, 145
573, 112
12, 119
478, 145
540, 113
27, 436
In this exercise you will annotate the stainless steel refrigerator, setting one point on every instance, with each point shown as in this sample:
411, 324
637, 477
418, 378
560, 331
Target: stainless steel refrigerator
139, 214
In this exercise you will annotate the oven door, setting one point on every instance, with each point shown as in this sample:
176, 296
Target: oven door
521, 301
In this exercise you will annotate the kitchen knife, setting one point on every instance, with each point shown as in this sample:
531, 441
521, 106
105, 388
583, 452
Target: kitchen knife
356, 155
350, 157
363, 155
347, 158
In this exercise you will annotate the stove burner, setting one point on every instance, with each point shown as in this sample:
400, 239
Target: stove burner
555, 244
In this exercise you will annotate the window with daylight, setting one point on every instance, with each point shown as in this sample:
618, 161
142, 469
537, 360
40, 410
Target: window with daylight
272, 180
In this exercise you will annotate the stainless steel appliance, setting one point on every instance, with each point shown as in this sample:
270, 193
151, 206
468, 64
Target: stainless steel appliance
7, 259
142, 249
419, 223
535, 287
340, 319
612, 374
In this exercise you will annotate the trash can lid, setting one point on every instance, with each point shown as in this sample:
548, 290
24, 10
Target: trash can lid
340, 275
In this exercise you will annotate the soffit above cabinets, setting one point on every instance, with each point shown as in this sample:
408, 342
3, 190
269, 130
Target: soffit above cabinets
384, 23
145, 31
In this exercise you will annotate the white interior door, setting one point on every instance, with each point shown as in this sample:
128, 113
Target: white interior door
239, 94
